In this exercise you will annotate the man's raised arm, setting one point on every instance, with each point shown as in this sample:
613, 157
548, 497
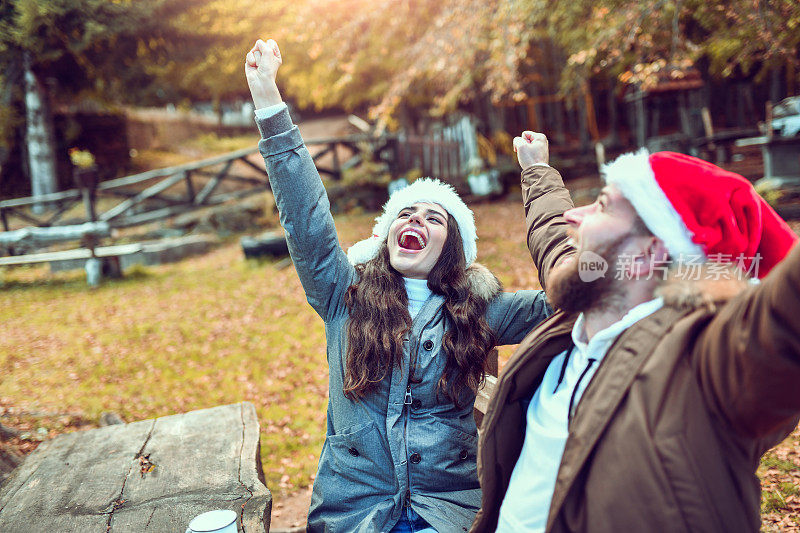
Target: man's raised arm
748, 358
545, 199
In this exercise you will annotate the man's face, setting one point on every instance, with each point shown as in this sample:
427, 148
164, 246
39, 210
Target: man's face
416, 239
608, 228
609, 218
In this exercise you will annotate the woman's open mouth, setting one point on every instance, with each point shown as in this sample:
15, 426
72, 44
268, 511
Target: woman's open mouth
412, 240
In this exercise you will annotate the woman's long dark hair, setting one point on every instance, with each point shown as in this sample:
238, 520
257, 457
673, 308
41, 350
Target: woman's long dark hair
379, 322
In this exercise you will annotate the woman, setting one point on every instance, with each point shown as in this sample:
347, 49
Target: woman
409, 321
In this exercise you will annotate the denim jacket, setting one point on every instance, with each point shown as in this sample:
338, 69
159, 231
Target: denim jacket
402, 444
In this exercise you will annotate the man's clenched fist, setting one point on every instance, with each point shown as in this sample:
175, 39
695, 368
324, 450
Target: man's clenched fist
261, 68
531, 148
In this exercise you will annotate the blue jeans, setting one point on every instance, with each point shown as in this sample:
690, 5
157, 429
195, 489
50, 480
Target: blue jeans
411, 522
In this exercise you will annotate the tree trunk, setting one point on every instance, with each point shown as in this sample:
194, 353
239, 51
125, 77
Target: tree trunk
495, 115
775, 85
39, 137
613, 122
641, 119
216, 104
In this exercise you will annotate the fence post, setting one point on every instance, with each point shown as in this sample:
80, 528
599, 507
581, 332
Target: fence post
86, 180
189, 186
336, 168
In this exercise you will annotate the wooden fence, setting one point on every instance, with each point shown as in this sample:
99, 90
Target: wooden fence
165, 192
144, 197
432, 156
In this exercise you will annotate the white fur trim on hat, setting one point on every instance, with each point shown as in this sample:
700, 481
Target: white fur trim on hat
422, 190
634, 177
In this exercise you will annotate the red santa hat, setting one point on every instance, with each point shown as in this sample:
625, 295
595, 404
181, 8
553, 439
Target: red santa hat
699, 209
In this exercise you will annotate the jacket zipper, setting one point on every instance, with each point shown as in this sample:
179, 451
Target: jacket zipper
407, 408
407, 399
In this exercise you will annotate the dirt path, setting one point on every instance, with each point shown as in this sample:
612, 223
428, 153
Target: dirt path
290, 511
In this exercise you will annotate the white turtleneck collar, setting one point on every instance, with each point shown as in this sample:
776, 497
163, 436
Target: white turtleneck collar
418, 292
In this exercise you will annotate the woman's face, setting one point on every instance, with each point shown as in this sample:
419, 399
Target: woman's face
416, 239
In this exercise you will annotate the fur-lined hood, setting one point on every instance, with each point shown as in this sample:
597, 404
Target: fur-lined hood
483, 284
708, 286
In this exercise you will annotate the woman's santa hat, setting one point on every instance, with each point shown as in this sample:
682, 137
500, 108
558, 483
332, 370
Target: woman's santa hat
700, 210
422, 190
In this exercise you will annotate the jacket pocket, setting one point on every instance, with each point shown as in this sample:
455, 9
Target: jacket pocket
447, 459
361, 457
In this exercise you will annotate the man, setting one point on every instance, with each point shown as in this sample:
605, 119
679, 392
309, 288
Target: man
645, 403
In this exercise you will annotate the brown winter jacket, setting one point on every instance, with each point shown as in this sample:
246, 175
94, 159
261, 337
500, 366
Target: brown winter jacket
669, 432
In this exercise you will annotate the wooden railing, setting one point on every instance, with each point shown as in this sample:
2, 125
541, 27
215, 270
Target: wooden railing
433, 154
146, 196
328, 152
160, 193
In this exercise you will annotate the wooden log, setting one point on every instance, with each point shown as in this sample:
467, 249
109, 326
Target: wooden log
34, 236
321, 153
169, 171
152, 475
153, 190
71, 194
252, 165
212, 183
114, 251
26, 217
72, 482
190, 195
337, 169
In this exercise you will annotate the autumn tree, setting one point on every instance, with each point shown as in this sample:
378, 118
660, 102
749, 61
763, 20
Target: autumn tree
751, 36
62, 51
436, 55
403, 55
402, 59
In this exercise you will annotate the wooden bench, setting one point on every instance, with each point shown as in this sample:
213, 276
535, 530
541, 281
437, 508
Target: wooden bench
102, 252
109, 257
153, 475
33, 236
89, 234
482, 398
486, 392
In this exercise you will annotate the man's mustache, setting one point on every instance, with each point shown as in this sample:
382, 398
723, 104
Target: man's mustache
572, 236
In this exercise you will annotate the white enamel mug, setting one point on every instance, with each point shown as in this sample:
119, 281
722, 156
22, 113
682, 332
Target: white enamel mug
218, 521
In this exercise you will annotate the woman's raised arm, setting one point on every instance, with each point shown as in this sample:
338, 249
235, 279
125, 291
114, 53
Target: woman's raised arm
299, 194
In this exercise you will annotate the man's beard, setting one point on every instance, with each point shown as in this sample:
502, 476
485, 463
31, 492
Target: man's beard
568, 292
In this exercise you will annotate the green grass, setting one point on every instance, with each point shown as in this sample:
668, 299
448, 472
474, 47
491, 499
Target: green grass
770, 460
775, 500
209, 331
